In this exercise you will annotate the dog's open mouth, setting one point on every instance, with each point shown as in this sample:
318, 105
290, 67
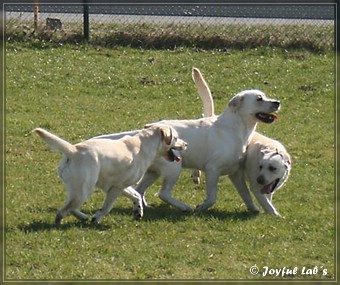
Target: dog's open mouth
270, 187
266, 117
172, 156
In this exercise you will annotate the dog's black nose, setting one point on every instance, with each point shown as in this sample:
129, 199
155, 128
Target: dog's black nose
277, 104
260, 180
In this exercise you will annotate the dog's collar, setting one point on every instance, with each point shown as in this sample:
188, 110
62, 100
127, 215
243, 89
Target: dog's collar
273, 152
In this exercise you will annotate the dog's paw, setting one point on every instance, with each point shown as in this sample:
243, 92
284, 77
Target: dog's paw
196, 180
137, 215
187, 209
95, 221
195, 175
96, 218
200, 208
254, 209
58, 219
277, 214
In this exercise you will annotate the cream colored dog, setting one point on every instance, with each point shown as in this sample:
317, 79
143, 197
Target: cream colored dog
267, 164
217, 146
110, 164
267, 167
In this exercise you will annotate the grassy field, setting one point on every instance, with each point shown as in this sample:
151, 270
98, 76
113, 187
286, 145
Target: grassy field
317, 38
78, 92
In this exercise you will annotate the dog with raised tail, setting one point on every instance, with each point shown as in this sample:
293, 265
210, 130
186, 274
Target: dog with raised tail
267, 163
217, 146
113, 165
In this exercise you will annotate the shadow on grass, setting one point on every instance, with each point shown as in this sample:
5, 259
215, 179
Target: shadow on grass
38, 226
153, 213
165, 212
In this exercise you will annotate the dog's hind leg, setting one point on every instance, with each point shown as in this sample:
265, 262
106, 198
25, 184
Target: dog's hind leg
137, 201
111, 196
76, 197
79, 215
71, 205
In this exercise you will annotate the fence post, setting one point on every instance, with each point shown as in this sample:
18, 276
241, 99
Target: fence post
86, 21
337, 39
36, 15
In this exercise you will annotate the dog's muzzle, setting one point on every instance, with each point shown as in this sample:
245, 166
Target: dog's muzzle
269, 118
173, 155
269, 188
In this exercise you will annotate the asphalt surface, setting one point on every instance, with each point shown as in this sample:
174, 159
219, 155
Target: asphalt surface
277, 11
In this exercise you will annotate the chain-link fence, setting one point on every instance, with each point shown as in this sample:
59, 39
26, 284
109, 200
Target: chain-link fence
168, 26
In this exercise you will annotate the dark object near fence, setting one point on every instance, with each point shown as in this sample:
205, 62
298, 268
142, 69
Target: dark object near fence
53, 24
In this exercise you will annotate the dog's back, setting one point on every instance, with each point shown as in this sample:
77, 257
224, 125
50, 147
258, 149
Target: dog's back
268, 142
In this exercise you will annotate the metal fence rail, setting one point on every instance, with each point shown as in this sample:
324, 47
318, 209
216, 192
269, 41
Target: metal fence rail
161, 26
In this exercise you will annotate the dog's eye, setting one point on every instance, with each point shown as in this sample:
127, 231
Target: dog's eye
259, 98
272, 168
261, 167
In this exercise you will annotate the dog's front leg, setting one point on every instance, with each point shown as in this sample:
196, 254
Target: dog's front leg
170, 177
111, 196
166, 195
137, 201
195, 175
238, 179
212, 176
264, 201
148, 179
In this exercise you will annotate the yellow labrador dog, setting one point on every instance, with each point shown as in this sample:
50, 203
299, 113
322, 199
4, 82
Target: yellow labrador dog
267, 165
110, 164
217, 146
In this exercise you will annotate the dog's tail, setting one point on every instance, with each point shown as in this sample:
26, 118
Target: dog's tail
204, 92
56, 143
208, 107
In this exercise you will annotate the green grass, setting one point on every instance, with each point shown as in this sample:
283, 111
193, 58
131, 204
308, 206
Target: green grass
78, 92
317, 38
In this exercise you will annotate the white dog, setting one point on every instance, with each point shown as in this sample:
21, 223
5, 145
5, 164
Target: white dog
217, 146
267, 167
111, 164
267, 164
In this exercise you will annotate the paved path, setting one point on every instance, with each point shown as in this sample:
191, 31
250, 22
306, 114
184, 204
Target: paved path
286, 11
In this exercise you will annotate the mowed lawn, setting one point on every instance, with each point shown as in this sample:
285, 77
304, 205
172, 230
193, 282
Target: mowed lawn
78, 92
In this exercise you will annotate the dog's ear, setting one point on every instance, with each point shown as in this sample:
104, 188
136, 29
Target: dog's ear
235, 102
288, 163
166, 135
286, 158
263, 149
